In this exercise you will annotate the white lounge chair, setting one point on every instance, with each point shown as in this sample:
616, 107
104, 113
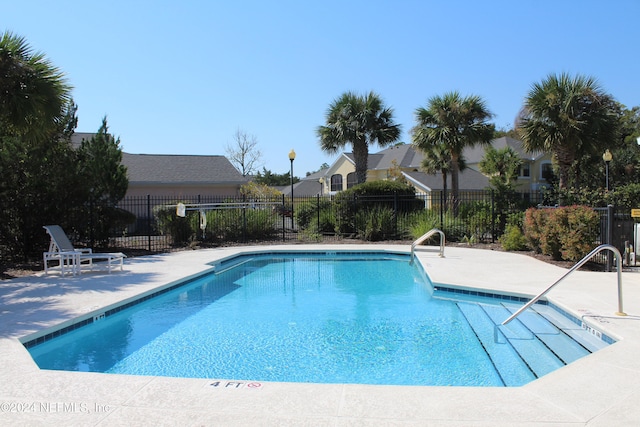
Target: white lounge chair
61, 250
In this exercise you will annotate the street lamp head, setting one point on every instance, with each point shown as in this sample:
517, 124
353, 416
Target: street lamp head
292, 155
607, 157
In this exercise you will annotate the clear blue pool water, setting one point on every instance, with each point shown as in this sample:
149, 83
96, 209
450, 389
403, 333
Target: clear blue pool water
335, 318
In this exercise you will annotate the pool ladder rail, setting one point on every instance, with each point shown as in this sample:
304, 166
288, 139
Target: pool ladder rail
600, 248
423, 238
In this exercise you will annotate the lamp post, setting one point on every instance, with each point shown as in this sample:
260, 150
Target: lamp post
321, 180
292, 157
607, 157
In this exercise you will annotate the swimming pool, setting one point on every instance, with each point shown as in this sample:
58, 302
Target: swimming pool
367, 318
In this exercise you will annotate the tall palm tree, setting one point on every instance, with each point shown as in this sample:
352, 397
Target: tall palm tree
564, 116
456, 122
33, 93
359, 121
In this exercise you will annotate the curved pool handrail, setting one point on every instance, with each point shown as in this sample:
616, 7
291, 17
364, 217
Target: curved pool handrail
424, 237
600, 248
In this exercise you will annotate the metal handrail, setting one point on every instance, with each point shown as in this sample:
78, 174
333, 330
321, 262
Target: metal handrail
600, 248
424, 237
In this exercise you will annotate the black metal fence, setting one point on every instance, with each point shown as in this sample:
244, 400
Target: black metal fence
617, 228
478, 216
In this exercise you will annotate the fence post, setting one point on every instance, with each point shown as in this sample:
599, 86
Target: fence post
244, 218
610, 220
395, 213
91, 223
149, 222
283, 218
442, 201
318, 206
355, 214
493, 218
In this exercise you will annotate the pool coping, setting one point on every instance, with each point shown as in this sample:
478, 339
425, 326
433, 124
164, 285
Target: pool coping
601, 388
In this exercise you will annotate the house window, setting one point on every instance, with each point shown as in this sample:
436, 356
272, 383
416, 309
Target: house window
546, 171
525, 170
351, 179
336, 182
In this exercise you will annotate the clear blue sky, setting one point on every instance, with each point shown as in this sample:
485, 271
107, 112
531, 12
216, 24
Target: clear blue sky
180, 77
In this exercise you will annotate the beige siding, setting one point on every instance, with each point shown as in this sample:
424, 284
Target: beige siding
178, 191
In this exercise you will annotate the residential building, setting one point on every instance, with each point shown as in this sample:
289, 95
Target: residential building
177, 175
405, 160
181, 175
535, 169
310, 185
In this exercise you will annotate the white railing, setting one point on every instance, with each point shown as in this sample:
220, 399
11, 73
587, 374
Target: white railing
600, 248
424, 237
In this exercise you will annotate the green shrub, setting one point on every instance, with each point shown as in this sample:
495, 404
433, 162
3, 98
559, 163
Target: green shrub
533, 227
627, 196
426, 220
237, 225
376, 224
396, 196
259, 224
513, 239
423, 222
580, 232
179, 228
306, 214
567, 233
550, 243
516, 218
477, 219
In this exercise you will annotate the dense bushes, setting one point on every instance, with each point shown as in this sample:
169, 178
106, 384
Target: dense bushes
478, 221
224, 225
376, 223
168, 223
567, 233
374, 196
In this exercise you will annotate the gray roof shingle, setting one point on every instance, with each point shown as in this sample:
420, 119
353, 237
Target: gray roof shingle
180, 169
469, 179
476, 153
175, 169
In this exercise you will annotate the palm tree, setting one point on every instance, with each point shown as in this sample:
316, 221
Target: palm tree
502, 167
33, 93
456, 122
564, 116
438, 159
359, 121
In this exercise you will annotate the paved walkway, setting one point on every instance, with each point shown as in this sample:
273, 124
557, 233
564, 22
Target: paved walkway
602, 389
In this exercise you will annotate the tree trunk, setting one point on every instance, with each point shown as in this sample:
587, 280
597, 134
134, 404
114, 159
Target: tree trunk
565, 157
455, 183
444, 189
360, 155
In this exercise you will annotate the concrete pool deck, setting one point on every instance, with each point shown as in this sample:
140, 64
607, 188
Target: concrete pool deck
602, 389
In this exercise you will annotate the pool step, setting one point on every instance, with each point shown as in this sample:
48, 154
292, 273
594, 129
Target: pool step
527, 339
588, 340
556, 337
223, 269
543, 345
512, 368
